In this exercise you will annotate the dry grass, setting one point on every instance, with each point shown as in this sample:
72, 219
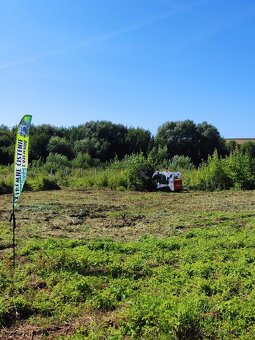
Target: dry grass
92, 214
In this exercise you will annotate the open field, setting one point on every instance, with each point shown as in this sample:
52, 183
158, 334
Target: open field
104, 264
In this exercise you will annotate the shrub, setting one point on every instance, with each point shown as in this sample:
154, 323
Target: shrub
84, 160
42, 182
55, 162
181, 162
80, 178
139, 171
241, 168
213, 175
117, 179
5, 188
6, 179
234, 171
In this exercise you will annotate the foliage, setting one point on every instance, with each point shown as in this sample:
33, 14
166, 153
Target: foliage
139, 170
41, 181
6, 179
180, 162
159, 155
103, 141
134, 172
241, 168
4, 188
237, 171
55, 162
138, 141
58, 145
231, 146
248, 148
213, 175
188, 139
39, 139
210, 140
125, 174
7, 140
84, 161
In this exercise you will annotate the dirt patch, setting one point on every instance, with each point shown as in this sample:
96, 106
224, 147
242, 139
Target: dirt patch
24, 330
125, 221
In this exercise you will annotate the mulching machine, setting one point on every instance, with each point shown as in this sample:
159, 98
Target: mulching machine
166, 180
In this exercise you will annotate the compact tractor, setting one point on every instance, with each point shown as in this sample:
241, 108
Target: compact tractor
166, 180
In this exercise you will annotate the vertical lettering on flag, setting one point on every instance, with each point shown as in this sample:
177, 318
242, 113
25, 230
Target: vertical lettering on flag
21, 157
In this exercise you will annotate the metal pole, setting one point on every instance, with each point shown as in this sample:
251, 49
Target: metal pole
13, 220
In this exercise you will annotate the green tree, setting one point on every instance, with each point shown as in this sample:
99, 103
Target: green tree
60, 146
214, 174
210, 140
83, 160
160, 156
101, 139
139, 170
180, 138
137, 140
188, 139
248, 147
241, 168
56, 162
7, 141
40, 136
231, 146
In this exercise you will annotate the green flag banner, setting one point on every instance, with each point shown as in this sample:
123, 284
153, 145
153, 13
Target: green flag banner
21, 157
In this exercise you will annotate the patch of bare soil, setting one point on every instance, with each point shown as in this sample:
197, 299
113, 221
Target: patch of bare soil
24, 330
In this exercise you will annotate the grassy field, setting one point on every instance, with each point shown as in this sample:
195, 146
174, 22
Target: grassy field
104, 264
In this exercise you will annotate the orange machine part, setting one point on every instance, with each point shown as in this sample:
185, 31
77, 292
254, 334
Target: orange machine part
178, 184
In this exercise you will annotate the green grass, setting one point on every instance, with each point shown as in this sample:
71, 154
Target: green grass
122, 265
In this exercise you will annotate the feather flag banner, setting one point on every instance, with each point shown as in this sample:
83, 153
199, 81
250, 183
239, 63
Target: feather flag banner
21, 157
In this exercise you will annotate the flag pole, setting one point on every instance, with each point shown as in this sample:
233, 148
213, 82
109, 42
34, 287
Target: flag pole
13, 220
20, 173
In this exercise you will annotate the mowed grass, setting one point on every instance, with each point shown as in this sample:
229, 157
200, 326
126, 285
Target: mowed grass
103, 264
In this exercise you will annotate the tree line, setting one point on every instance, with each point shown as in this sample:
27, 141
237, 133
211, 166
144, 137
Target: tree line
98, 142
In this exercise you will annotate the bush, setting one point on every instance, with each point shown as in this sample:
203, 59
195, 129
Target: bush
213, 175
42, 182
118, 179
5, 188
139, 171
6, 179
80, 178
134, 173
55, 162
235, 171
83, 160
241, 169
180, 163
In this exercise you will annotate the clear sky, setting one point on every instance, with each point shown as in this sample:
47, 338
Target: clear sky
135, 62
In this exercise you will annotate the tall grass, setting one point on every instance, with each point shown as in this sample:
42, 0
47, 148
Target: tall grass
134, 172
6, 179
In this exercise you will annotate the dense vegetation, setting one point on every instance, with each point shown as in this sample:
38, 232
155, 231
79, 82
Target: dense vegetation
234, 171
104, 154
98, 142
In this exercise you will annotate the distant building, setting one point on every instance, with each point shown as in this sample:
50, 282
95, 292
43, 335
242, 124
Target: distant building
240, 140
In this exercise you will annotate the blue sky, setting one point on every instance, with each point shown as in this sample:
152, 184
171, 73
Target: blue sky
135, 62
